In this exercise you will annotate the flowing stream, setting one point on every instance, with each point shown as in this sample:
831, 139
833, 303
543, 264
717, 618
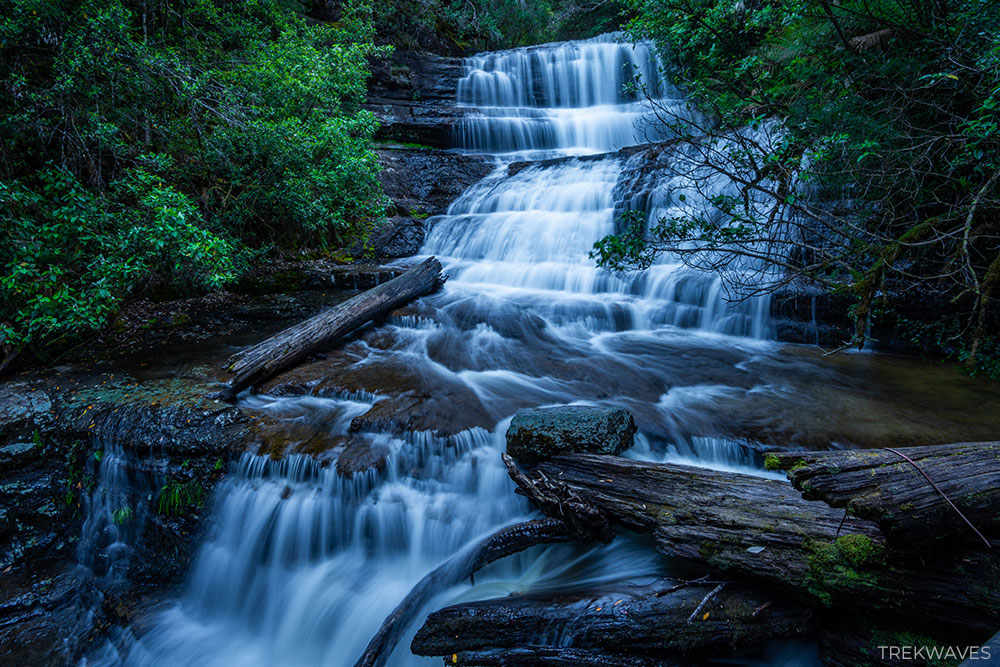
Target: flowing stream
301, 565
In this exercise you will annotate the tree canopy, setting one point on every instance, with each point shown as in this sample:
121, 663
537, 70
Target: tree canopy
862, 138
164, 143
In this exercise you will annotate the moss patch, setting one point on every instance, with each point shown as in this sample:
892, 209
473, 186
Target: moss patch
848, 563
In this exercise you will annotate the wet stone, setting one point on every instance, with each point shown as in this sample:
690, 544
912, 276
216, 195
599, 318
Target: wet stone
540, 433
361, 455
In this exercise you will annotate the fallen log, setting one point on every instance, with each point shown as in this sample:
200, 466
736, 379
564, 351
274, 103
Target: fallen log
257, 364
624, 625
554, 656
763, 529
502, 543
891, 487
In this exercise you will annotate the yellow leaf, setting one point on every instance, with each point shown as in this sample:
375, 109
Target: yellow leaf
952, 76
705, 617
454, 657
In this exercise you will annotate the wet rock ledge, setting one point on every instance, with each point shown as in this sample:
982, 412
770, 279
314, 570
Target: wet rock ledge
56, 434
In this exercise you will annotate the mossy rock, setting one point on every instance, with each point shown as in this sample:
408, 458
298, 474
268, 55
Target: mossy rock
541, 433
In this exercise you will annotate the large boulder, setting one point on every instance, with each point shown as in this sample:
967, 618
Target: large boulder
540, 433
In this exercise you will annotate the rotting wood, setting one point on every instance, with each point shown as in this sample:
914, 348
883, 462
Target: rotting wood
762, 529
882, 486
631, 624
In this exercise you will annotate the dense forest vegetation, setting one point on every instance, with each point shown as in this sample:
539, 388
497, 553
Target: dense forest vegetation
862, 136
161, 144
164, 146
458, 27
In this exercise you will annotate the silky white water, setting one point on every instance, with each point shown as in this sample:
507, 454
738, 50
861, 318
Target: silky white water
301, 565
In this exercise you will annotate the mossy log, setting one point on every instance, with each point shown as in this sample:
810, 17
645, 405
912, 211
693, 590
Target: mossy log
255, 365
882, 486
762, 529
612, 626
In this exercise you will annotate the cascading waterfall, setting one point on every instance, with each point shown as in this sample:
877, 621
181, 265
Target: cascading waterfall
302, 565
574, 98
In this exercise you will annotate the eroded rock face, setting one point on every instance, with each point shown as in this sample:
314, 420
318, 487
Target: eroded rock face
413, 94
424, 182
540, 433
56, 430
421, 182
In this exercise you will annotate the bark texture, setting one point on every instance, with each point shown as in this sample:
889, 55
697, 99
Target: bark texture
883, 486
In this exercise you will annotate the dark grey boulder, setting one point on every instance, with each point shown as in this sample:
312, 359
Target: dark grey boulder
540, 433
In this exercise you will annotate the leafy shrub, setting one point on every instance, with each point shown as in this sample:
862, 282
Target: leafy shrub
145, 144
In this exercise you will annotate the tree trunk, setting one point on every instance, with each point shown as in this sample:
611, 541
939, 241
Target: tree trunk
883, 486
631, 624
257, 364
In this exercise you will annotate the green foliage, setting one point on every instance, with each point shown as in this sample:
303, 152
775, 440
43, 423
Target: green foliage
122, 515
848, 564
885, 174
478, 25
159, 145
177, 498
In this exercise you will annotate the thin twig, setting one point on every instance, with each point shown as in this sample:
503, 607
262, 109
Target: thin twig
711, 594
684, 584
947, 499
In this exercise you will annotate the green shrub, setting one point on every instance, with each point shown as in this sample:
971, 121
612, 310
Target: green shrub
161, 144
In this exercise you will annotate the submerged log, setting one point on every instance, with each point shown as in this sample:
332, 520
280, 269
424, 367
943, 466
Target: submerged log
762, 529
502, 543
909, 499
254, 365
615, 626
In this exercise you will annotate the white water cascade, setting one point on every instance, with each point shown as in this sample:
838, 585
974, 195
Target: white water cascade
302, 565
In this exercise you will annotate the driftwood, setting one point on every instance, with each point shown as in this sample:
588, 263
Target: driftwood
762, 529
883, 486
256, 364
612, 626
503, 543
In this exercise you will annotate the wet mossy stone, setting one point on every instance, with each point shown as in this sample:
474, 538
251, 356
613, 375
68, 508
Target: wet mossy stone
541, 433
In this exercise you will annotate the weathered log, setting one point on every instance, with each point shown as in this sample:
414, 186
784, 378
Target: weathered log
883, 486
733, 521
554, 656
556, 500
623, 625
762, 529
266, 359
502, 543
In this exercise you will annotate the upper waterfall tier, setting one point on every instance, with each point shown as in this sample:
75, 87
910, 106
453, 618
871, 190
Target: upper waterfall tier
572, 74
575, 97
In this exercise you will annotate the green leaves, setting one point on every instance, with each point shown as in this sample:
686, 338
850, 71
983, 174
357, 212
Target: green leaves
149, 145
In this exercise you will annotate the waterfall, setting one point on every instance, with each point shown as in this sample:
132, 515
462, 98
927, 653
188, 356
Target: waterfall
529, 235
575, 97
301, 565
